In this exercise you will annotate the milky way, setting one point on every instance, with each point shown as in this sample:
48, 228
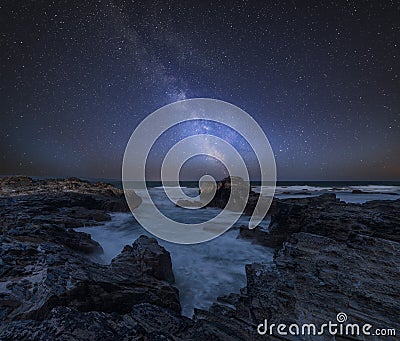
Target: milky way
321, 79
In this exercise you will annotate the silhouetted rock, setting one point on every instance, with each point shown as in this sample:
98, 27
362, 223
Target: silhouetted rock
231, 186
223, 191
358, 191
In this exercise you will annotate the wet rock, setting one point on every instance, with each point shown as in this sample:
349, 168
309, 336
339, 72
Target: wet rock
44, 262
237, 188
326, 215
38, 277
315, 277
148, 257
330, 257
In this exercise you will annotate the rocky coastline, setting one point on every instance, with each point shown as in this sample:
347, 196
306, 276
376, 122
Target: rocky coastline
330, 257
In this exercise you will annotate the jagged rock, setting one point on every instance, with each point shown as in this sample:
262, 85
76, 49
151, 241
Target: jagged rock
330, 257
148, 257
90, 195
69, 203
43, 262
39, 276
223, 191
326, 215
236, 189
315, 277
143, 322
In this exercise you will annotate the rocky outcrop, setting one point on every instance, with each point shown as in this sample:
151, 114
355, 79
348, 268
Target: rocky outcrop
147, 257
287, 217
223, 191
235, 187
327, 216
315, 277
37, 277
143, 322
69, 193
330, 257
44, 263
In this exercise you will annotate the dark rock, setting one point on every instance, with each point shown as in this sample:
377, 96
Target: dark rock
325, 215
143, 322
43, 262
60, 192
237, 188
40, 276
358, 191
330, 257
223, 192
148, 257
314, 277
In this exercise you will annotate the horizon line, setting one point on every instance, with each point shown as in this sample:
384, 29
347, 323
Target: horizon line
193, 180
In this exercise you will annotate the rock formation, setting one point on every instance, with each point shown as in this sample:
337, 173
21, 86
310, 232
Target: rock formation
330, 257
235, 186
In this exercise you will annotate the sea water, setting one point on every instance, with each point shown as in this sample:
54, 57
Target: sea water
207, 270
202, 271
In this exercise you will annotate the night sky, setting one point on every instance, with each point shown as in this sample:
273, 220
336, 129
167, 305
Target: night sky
322, 79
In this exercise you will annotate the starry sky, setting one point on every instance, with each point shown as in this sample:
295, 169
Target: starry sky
320, 78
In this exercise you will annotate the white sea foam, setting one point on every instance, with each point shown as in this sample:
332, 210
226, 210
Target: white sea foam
371, 192
203, 271
377, 188
207, 270
162, 187
281, 189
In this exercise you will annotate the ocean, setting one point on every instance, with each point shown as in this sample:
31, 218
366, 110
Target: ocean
207, 270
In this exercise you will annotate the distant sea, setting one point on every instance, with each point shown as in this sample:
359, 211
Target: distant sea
279, 183
344, 190
254, 183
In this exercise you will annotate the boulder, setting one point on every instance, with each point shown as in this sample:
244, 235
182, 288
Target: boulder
231, 186
147, 257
